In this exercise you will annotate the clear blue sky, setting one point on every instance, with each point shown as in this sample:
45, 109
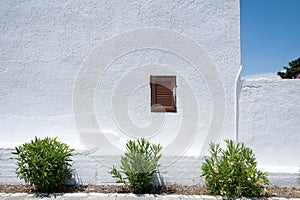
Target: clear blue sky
270, 34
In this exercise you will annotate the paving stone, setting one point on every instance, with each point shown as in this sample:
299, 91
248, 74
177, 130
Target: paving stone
168, 197
277, 198
135, 197
208, 197
5, 196
75, 196
191, 197
94, 196
32, 197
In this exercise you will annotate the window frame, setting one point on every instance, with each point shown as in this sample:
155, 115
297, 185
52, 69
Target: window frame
168, 82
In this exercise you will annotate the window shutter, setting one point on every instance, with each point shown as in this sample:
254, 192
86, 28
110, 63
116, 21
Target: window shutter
163, 93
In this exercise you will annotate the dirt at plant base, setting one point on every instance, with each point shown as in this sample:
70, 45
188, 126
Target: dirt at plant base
169, 189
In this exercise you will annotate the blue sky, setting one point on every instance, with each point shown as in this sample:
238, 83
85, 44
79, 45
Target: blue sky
270, 34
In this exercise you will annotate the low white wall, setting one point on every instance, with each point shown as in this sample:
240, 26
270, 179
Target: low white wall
91, 169
269, 114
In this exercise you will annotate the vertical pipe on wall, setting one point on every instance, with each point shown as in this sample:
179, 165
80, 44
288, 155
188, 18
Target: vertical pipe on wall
237, 91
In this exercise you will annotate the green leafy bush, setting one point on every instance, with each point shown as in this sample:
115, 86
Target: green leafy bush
139, 165
299, 177
43, 163
233, 172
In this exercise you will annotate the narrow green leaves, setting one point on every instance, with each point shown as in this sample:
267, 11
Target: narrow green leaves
43, 163
139, 165
233, 172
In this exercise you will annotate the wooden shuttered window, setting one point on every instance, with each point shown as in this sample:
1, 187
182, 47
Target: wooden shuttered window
163, 93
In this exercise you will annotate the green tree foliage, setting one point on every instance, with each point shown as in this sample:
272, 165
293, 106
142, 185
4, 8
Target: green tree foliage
292, 71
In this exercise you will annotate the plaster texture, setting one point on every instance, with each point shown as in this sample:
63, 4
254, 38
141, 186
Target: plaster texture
45, 47
269, 115
80, 71
91, 169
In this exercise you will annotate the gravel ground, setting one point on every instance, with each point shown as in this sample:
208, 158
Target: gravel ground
170, 189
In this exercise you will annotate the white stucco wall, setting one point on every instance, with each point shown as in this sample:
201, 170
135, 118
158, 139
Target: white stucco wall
47, 46
269, 113
80, 70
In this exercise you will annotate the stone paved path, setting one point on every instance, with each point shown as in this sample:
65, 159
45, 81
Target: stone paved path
95, 196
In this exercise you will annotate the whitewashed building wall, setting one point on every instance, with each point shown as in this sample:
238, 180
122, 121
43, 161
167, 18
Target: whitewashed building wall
269, 114
80, 71
47, 47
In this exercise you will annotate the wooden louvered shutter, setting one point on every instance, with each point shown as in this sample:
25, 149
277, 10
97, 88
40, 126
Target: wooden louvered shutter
163, 93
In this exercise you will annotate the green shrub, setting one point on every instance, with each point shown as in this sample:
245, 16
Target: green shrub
233, 172
139, 165
299, 177
43, 163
